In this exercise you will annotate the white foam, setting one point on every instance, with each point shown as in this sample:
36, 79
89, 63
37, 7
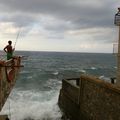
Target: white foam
104, 78
93, 68
32, 104
115, 67
82, 71
24, 71
55, 73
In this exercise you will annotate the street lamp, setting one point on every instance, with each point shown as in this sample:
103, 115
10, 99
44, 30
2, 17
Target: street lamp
117, 18
117, 22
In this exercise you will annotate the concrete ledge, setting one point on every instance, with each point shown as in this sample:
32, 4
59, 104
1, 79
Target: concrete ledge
96, 99
68, 106
99, 100
71, 90
8, 75
3, 117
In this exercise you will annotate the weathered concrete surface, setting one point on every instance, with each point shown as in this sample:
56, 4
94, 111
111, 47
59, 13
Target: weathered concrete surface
68, 99
96, 100
99, 100
3, 117
7, 69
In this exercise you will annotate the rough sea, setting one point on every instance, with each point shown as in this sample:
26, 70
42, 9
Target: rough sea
35, 94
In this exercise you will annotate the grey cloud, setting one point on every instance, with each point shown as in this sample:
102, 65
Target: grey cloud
80, 14
19, 20
55, 36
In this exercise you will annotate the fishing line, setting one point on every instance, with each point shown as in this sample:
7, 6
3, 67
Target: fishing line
9, 109
1, 93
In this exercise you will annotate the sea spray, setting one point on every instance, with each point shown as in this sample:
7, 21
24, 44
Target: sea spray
33, 105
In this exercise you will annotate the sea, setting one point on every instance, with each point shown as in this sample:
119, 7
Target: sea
35, 94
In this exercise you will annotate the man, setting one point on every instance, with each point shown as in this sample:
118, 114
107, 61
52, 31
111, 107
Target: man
9, 50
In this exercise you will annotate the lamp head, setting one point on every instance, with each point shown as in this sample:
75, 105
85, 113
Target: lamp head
119, 9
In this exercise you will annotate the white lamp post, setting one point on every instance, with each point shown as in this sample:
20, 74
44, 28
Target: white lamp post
117, 22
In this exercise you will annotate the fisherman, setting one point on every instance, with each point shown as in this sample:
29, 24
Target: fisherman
9, 50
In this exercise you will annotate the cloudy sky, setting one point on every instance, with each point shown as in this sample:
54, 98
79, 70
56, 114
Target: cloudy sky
59, 25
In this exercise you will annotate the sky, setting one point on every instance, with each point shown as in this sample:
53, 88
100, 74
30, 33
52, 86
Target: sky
59, 25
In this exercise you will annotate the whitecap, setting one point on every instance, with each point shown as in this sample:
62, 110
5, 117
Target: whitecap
93, 68
82, 71
55, 73
115, 67
39, 105
24, 71
29, 77
104, 78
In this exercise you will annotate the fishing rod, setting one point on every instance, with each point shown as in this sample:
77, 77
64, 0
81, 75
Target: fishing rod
17, 37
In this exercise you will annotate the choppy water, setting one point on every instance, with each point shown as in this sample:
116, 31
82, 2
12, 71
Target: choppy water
36, 92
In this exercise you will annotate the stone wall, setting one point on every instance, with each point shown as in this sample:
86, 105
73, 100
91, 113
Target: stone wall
95, 99
6, 86
68, 99
99, 100
3, 117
